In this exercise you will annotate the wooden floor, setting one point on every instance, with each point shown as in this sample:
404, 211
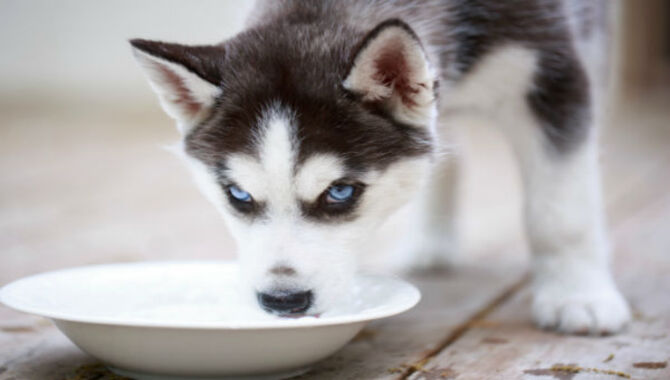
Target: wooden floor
93, 188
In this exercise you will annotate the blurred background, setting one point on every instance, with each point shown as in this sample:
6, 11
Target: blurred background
84, 177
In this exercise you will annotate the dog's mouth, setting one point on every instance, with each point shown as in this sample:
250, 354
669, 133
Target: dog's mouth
286, 303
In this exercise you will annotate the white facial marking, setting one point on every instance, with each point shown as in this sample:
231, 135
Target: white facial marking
268, 177
392, 188
248, 173
316, 174
278, 160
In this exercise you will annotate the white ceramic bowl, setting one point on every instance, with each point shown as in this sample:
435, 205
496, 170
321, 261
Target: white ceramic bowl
174, 320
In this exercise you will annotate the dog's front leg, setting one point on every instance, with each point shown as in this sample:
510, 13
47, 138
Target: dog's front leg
574, 290
552, 131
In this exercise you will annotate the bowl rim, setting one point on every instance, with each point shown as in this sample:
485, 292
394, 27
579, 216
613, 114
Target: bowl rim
12, 301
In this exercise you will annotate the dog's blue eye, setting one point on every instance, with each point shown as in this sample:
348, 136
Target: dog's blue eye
340, 193
239, 194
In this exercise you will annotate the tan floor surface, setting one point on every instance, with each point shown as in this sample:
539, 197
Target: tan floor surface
85, 187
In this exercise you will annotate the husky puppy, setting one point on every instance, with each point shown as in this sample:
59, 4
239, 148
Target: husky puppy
309, 128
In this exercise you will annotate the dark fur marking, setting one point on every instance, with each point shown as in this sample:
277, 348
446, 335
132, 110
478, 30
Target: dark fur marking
251, 211
283, 271
560, 97
204, 61
560, 100
267, 66
278, 61
319, 214
322, 211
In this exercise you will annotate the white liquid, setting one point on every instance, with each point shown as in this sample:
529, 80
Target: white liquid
165, 293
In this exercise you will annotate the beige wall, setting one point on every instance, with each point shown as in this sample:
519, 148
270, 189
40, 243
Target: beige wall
77, 49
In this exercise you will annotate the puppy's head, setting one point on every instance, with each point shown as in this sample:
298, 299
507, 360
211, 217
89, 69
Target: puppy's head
304, 143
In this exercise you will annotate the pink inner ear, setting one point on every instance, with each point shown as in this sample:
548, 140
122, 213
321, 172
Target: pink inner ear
182, 94
393, 70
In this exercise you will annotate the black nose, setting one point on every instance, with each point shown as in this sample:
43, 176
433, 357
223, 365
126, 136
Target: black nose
285, 302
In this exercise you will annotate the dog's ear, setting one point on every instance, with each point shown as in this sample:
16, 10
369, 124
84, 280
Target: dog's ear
391, 68
186, 78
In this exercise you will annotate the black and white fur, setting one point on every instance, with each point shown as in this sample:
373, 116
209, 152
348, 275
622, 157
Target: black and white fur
316, 93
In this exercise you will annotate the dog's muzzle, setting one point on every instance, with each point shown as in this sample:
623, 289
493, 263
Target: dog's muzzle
285, 302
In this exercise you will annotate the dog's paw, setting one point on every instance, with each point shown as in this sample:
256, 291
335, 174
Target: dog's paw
597, 310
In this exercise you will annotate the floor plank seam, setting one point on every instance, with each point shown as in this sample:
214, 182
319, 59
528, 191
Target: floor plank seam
461, 329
